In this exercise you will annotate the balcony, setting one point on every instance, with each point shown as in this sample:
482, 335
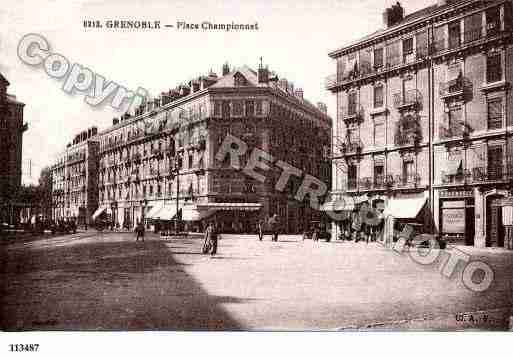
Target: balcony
410, 99
456, 178
352, 113
459, 40
407, 181
351, 146
491, 174
454, 131
455, 89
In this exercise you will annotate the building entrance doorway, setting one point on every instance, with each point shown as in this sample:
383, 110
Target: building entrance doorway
494, 226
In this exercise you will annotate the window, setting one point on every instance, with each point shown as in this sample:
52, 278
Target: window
454, 119
472, 26
239, 80
351, 103
494, 114
250, 108
378, 58
493, 67
351, 176
378, 96
454, 35
379, 133
226, 109
379, 174
352, 135
408, 50
495, 164
492, 21
190, 160
217, 108
259, 108
238, 108
408, 171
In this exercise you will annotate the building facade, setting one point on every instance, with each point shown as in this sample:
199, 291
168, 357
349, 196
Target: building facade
11, 142
75, 179
425, 115
163, 157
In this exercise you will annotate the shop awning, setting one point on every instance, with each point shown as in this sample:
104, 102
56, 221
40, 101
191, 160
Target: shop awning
98, 212
167, 212
153, 212
191, 213
230, 206
405, 207
338, 205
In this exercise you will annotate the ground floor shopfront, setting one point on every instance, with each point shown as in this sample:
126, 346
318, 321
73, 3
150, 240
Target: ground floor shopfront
472, 215
463, 215
378, 217
232, 214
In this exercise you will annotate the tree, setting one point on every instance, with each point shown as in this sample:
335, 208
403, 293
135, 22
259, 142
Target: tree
45, 191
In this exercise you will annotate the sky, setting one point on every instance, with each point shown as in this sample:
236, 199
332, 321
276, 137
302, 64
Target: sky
294, 39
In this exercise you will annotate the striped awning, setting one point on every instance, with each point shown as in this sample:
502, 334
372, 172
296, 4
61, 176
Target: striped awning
230, 206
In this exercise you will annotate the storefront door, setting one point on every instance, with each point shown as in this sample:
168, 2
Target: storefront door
494, 227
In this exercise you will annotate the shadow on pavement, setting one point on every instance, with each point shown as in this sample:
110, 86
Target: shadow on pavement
107, 285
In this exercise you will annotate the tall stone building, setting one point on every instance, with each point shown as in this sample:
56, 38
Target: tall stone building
75, 179
11, 142
424, 123
167, 151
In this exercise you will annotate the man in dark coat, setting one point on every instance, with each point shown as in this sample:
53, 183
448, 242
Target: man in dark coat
274, 224
139, 230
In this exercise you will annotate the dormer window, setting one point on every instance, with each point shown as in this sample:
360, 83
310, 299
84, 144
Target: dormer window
239, 80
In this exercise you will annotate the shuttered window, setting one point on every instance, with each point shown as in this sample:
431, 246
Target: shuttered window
473, 24
493, 67
494, 114
393, 53
378, 96
422, 44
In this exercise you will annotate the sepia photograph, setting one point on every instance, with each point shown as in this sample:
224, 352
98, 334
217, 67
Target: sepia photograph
262, 167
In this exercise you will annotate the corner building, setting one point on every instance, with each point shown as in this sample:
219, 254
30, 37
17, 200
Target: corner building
424, 122
166, 151
12, 128
75, 179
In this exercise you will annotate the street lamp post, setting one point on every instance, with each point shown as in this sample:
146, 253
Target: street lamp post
176, 173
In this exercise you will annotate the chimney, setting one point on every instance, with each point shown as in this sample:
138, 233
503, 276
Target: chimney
299, 93
94, 130
226, 69
263, 75
290, 88
322, 107
393, 15
115, 121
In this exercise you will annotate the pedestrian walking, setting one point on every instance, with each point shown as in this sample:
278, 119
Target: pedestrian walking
260, 230
214, 237
274, 224
139, 230
208, 239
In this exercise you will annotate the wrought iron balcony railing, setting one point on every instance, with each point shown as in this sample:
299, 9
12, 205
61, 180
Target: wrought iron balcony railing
407, 99
351, 113
351, 146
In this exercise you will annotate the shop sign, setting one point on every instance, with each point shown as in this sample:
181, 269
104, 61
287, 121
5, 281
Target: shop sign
461, 193
453, 220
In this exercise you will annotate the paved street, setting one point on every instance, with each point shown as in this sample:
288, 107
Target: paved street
107, 281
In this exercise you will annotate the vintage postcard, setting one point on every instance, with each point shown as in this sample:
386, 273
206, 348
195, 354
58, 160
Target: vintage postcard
256, 166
